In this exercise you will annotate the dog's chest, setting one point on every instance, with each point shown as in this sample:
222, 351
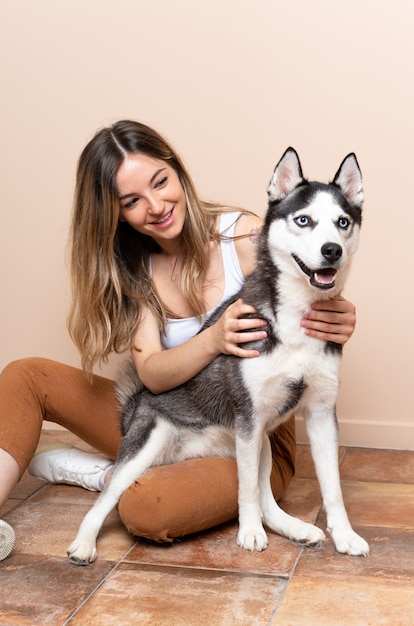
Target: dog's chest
295, 374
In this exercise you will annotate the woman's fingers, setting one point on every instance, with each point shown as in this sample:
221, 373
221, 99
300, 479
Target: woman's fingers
331, 320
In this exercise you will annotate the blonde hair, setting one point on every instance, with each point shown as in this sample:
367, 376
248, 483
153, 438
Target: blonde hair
109, 260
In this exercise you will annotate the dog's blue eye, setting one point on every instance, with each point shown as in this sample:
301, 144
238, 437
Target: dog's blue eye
303, 220
343, 223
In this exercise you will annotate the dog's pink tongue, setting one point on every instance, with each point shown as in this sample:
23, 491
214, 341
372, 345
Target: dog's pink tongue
326, 277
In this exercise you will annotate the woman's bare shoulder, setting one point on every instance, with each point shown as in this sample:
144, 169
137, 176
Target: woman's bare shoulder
248, 229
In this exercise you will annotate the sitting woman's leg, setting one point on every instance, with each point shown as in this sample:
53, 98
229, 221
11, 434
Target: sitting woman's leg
32, 390
177, 500
36, 389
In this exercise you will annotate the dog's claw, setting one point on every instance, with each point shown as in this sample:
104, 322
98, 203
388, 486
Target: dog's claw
81, 554
76, 561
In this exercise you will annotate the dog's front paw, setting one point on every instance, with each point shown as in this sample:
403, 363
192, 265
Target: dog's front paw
252, 538
82, 552
349, 542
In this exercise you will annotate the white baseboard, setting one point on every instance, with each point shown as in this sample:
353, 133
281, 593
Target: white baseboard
382, 435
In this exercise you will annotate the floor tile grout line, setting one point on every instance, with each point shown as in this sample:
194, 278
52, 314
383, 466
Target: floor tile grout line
371, 580
166, 566
21, 501
342, 457
288, 581
125, 561
91, 593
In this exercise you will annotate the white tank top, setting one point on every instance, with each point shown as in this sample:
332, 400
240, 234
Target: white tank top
180, 330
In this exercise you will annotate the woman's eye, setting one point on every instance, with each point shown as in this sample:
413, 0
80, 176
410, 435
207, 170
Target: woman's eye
303, 220
343, 223
161, 182
131, 203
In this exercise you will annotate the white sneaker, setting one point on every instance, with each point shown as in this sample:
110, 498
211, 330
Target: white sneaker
71, 466
7, 538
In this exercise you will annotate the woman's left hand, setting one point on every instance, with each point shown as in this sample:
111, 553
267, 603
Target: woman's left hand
331, 320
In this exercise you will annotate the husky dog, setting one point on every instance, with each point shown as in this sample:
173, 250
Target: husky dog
310, 233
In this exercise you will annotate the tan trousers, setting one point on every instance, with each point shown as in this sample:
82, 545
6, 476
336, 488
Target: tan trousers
168, 501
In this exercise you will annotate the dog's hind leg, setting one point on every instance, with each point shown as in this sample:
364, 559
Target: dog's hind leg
274, 517
82, 551
323, 436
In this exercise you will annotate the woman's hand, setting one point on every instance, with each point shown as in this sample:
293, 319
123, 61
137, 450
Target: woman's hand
229, 339
331, 320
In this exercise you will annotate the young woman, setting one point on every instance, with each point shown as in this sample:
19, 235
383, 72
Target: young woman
149, 261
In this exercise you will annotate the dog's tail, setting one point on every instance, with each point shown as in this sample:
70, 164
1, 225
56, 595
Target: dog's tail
127, 383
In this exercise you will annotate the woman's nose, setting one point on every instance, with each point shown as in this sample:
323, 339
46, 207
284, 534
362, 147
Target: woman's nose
155, 205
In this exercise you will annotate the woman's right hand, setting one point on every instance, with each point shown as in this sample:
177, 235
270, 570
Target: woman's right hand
232, 331
161, 370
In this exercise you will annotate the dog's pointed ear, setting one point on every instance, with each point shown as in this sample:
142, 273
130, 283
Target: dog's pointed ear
348, 178
287, 176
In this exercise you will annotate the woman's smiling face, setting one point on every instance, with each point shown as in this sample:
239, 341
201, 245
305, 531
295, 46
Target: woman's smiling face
152, 199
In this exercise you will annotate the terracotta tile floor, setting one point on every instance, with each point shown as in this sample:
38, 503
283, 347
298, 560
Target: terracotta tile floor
206, 579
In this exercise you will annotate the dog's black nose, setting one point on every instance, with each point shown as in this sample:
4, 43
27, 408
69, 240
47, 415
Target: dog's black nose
332, 252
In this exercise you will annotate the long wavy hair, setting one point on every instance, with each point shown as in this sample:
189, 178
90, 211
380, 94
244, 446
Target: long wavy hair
109, 260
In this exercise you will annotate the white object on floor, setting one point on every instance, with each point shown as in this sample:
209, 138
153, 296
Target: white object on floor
7, 538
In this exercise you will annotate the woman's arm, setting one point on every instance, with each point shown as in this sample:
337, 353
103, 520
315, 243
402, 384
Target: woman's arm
331, 320
161, 370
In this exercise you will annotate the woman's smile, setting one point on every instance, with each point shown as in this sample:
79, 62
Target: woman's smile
165, 221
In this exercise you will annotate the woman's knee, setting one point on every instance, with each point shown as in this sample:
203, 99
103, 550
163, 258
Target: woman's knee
177, 500
24, 370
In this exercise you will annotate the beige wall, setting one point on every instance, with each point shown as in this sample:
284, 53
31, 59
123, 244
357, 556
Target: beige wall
231, 83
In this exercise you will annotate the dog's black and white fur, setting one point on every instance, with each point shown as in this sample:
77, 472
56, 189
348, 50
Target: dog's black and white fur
310, 233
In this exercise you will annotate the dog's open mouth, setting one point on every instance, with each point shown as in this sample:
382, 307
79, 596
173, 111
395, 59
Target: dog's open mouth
323, 278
